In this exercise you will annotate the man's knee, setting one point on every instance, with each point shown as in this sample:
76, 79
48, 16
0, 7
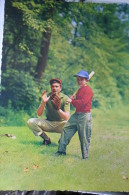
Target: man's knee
30, 122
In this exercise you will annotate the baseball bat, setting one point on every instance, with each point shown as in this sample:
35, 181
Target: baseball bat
91, 75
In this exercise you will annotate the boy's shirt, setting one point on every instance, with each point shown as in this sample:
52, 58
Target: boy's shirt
83, 100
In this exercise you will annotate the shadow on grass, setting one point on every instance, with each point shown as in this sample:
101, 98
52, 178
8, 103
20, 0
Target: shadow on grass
38, 143
51, 151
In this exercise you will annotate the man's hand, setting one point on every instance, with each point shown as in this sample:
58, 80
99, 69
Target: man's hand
56, 101
44, 97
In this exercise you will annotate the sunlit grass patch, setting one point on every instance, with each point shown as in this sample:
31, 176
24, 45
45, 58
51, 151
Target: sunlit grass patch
34, 166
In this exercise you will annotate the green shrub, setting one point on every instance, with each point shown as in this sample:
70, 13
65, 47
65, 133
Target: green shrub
21, 89
10, 117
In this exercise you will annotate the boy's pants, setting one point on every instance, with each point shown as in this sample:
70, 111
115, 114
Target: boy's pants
81, 122
39, 125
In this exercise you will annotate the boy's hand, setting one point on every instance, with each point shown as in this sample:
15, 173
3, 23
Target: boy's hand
73, 97
69, 100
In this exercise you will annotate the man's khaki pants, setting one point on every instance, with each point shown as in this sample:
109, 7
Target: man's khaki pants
39, 126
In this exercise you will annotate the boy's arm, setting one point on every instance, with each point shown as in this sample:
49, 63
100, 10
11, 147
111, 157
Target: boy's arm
84, 100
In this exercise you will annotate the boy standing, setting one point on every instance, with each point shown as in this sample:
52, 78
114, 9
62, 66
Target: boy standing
81, 120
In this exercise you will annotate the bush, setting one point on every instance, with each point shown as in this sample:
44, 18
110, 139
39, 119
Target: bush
21, 89
10, 117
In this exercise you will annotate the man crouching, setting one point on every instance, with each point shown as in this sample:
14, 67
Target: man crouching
57, 112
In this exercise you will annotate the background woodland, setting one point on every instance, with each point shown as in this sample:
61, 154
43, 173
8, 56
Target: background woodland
47, 39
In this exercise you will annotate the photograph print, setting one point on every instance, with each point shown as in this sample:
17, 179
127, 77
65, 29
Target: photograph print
64, 96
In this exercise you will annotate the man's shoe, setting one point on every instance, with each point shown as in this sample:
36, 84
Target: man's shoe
47, 142
60, 153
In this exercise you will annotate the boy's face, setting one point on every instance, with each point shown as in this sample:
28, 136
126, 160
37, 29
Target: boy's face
55, 87
81, 81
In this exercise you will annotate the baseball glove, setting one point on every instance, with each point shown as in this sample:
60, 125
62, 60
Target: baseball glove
56, 101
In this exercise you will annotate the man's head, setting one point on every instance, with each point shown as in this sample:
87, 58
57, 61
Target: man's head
82, 78
56, 85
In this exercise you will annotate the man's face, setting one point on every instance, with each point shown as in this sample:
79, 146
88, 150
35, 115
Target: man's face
81, 81
55, 88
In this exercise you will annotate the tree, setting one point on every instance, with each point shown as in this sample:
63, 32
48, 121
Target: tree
56, 39
40, 16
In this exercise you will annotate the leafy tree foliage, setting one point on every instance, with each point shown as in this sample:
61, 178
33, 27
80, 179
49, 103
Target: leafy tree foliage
57, 39
22, 90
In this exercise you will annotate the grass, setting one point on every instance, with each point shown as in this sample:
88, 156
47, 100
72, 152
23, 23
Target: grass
27, 165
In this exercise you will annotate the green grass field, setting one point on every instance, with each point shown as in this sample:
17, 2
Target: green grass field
27, 165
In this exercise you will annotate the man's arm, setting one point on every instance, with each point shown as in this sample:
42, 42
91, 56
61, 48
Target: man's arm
56, 101
41, 108
64, 114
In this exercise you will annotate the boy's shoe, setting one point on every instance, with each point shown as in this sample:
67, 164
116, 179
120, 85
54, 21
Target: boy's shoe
85, 158
60, 153
47, 142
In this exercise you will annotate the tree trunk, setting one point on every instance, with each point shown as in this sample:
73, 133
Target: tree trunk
42, 61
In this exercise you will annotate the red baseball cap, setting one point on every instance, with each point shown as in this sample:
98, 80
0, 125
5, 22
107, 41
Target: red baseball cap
56, 80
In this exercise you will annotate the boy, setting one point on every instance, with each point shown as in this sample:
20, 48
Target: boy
81, 120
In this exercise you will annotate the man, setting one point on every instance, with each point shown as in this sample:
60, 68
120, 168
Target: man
81, 120
57, 112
